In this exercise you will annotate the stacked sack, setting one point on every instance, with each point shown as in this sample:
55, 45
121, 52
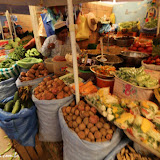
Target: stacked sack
18, 117
85, 133
49, 96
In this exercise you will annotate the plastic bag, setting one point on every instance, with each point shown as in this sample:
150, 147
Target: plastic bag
85, 150
10, 72
28, 62
47, 110
41, 30
48, 25
21, 126
83, 30
7, 88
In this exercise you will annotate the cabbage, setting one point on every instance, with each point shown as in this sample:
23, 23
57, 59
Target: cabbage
8, 46
10, 41
15, 44
17, 39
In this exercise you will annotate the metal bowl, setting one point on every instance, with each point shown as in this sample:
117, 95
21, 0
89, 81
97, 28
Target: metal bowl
124, 41
113, 60
133, 58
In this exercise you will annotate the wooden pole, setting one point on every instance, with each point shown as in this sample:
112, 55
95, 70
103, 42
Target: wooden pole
35, 25
1, 28
14, 30
73, 46
158, 25
9, 23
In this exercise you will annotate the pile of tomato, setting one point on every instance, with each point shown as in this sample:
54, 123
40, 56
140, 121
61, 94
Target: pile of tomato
152, 60
142, 47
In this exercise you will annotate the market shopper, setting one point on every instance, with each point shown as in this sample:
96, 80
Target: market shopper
21, 34
58, 44
6, 32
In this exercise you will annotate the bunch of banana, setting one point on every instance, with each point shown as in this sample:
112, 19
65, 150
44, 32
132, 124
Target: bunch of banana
24, 93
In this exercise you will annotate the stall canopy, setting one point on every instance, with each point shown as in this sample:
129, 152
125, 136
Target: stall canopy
48, 3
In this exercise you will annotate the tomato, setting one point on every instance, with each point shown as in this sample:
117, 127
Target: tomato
149, 44
149, 49
134, 49
156, 57
145, 111
136, 44
143, 45
140, 49
157, 60
144, 61
131, 112
129, 130
141, 138
130, 48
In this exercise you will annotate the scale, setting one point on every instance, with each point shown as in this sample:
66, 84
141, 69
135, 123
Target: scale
102, 57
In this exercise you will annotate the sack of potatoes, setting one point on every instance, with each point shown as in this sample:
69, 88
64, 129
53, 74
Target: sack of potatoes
86, 123
52, 88
38, 70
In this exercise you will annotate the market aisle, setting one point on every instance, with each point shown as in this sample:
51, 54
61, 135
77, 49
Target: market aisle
42, 150
4, 144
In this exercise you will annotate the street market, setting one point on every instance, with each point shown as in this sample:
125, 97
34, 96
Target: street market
80, 80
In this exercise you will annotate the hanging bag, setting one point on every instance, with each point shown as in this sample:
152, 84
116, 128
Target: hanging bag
82, 31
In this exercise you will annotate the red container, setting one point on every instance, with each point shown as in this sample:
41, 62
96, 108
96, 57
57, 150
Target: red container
105, 83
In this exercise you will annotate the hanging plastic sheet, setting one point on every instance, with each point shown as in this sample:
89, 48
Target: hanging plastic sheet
48, 21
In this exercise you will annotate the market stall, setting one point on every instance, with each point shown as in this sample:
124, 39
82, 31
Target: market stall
121, 101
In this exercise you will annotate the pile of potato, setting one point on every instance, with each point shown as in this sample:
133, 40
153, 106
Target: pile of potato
128, 153
52, 88
36, 71
86, 123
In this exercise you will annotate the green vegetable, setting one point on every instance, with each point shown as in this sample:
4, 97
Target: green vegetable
16, 107
16, 96
151, 24
7, 63
28, 62
137, 76
15, 44
22, 106
32, 53
1, 154
8, 46
18, 53
17, 39
133, 25
9, 106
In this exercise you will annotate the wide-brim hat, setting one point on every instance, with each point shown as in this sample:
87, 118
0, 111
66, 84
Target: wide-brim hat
92, 21
59, 24
5, 27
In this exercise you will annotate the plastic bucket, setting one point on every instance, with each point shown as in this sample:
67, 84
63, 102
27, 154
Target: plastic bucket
49, 65
105, 83
60, 67
56, 67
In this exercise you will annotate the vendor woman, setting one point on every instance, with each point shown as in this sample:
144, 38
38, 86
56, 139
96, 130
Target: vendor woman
58, 44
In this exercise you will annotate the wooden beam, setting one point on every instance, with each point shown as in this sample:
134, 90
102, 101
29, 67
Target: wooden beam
35, 25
